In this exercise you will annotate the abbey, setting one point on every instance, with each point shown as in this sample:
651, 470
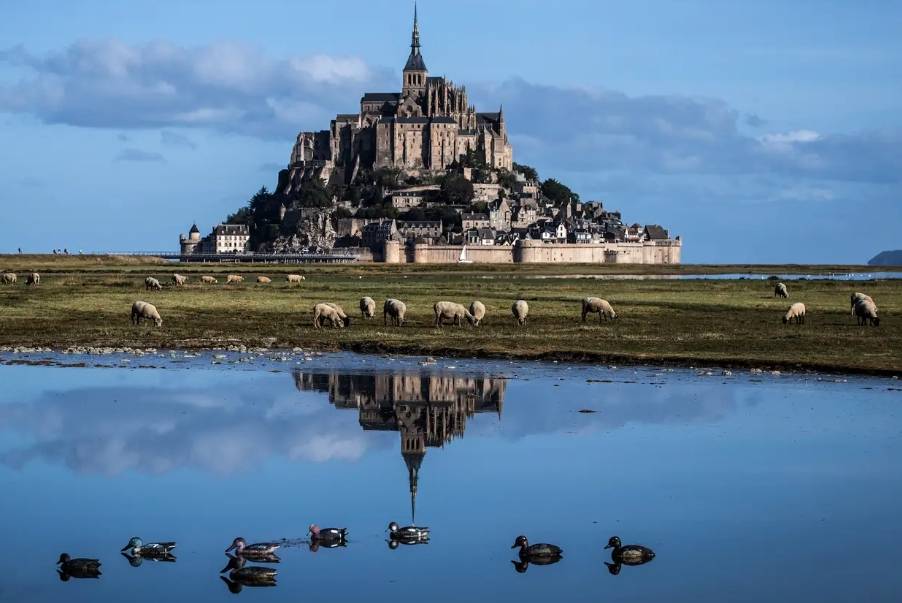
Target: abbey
423, 129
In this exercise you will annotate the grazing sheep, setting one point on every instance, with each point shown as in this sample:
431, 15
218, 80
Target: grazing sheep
146, 311
367, 307
152, 283
208, 280
341, 314
8, 278
334, 314
520, 310
179, 280
395, 309
294, 278
477, 309
601, 306
866, 312
856, 297
450, 311
780, 291
33, 279
797, 311
264, 280
234, 278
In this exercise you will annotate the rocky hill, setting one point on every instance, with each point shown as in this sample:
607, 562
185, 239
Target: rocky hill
887, 258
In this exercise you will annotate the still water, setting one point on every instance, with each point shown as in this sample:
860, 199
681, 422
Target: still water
749, 487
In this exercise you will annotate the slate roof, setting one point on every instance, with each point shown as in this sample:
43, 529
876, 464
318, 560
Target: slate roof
655, 232
381, 97
415, 62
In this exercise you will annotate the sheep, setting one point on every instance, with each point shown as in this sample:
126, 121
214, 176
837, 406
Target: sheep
208, 280
147, 311
152, 283
234, 278
601, 306
179, 280
9, 278
797, 311
367, 307
866, 312
331, 312
396, 309
477, 309
520, 310
33, 279
856, 297
780, 291
264, 280
445, 310
294, 278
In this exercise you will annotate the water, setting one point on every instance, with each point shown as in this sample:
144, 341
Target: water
730, 276
749, 487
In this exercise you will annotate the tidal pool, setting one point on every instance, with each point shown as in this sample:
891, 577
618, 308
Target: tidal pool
749, 487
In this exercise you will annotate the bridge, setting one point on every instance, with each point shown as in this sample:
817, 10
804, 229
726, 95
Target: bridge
333, 257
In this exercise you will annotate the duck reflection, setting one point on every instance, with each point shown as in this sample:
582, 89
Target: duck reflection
137, 560
240, 574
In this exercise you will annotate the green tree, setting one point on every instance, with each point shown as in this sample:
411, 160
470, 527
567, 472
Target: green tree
529, 172
557, 192
456, 190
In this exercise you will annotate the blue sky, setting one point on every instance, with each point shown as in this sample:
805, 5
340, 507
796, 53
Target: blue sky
760, 132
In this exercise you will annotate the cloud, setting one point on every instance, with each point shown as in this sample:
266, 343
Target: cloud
225, 86
174, 139
139, 155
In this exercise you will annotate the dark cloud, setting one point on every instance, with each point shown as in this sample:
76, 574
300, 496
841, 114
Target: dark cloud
755, 121
174, 139
139, 155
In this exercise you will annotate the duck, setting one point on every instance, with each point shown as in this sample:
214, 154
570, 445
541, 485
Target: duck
408, 534
253, 551
77, 567
539, 553
328, 537
137, 548
241, 575
629, 554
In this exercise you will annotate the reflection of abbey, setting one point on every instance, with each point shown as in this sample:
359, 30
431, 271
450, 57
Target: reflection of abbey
428, 410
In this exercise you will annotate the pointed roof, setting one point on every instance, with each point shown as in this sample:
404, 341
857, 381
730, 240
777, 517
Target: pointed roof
194, 229
415, 60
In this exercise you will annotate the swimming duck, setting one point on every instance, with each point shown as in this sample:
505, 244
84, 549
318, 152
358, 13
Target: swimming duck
241, 575
408, 534
540, 553
137, 548
630, 554
77, 568
328, 537
253, 551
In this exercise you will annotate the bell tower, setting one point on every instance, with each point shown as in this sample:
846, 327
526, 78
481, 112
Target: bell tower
415, 71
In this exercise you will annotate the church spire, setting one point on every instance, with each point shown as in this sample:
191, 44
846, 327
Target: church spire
415, 60
415, 36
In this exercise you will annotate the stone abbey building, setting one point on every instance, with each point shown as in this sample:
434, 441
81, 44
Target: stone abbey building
423, 128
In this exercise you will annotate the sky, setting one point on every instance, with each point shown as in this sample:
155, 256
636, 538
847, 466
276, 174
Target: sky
759, 132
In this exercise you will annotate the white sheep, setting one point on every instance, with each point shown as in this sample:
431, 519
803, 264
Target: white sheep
9, 278
331, 312
33, 279
477, 309
452, 312
234, 278
855, 298
264, 280
152, 283
208, 280
179, 280
367, 307
520, 310
866, 312
797, 311
781, 291
600, 306
394, 309
294, 278
144, 310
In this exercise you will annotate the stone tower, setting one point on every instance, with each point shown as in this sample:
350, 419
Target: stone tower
415, 71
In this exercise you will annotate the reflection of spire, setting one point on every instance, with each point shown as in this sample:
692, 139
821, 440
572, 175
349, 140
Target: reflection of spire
413, 461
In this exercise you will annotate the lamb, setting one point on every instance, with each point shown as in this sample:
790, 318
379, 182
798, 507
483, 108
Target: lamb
294, 278
179, 280
234, 278
601, 306
780, 291
264, 280
866, 312
797, 311
33, 279
152, 283
334, 314
477, 309
445, 310
396, 309
147, 311
856, 297
520, 310
367, 307
9, 278
208, 280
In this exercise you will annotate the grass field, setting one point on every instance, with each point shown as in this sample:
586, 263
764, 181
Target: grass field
86, 301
